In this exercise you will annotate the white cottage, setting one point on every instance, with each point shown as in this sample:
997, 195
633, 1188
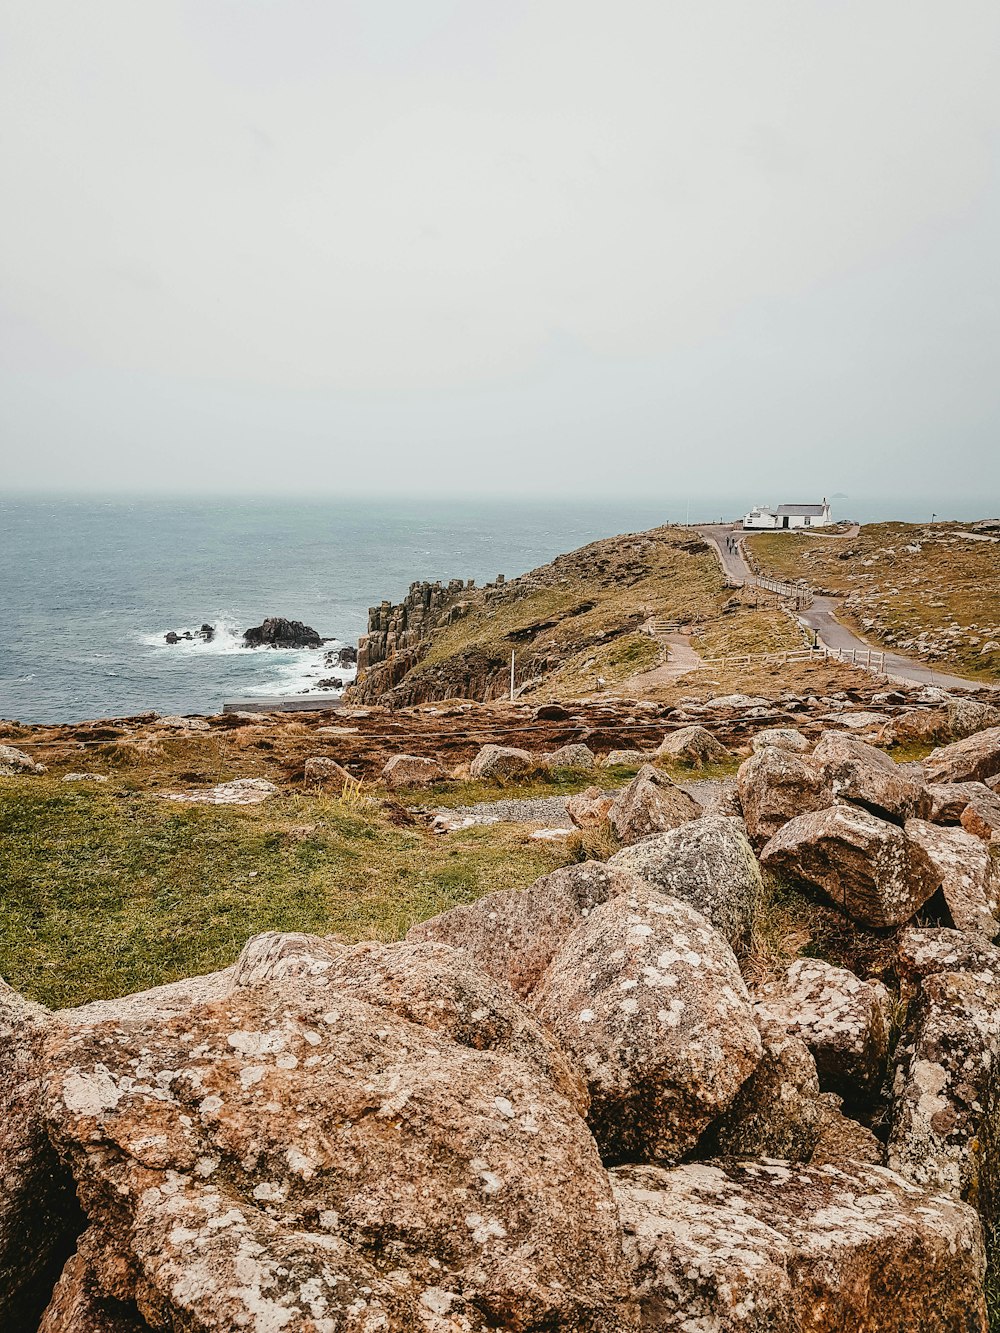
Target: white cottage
789, 516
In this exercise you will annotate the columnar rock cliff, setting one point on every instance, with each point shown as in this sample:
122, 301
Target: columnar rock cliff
398, 635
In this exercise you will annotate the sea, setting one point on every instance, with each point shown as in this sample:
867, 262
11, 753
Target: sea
90, 586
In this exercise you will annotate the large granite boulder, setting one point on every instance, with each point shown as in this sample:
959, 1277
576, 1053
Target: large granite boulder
971, 760
694, 746
292, 1157
981, 815
497, 763
84, 1299
784, 738
277, 632
866, 866
845, 1022
963, 865
777, 1112
412, 770
589, 808
771, 1247
322, 771
651, 803
514, 935
648, 1000
576, 756
923, 952
967, 716
858, 773
708, 864
776, 786
14, 762
37, 1213
433, 985
949, 799
946, 1117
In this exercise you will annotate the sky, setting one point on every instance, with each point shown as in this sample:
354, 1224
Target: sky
501, 247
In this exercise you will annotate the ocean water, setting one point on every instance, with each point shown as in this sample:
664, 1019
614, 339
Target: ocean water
89, 587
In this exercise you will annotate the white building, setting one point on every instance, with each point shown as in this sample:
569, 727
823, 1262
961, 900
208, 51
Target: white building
789, 516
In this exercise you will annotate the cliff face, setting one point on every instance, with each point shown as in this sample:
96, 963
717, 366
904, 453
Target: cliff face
569, 623
398, 636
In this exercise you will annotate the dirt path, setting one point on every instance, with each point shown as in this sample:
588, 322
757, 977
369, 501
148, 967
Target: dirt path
681, 658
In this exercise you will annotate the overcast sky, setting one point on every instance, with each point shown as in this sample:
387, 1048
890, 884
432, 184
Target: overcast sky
564, 247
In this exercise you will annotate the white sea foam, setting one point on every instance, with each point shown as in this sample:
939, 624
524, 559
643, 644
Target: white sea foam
264, 670
228, 638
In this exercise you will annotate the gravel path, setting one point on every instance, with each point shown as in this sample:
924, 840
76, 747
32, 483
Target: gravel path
546, 810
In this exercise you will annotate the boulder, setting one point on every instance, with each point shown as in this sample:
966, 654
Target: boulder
589, 808
949, 799
647, 999
693, 746
921, 726
572, 756
967, 716
864, 865
974, 759
861, 775
291, 1157
777, 1112
981, 817
241, 791
784, 738
179, 723
434, 985
720, 796
14, 762
514, 935
624, 759
775, 786
769, 1247
499, 762
84, 1301
923, 952
707, 863
412, 770
322, 771
945, 1115
965, 871
842, 1139
844, 1021
551, 713
37, 1214
651, 803
277, 632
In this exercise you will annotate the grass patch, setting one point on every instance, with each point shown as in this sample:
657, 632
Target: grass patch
105, 891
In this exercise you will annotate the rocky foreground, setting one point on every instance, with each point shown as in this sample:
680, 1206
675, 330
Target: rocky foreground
562, 1108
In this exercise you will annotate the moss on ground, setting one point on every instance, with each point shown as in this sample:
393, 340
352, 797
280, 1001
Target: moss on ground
104, 890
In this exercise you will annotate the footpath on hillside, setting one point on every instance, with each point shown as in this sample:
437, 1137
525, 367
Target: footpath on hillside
821, 618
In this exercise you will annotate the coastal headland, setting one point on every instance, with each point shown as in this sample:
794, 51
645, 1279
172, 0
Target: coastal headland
610, 957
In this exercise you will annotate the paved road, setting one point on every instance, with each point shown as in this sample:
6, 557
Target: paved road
821, 617
733, 563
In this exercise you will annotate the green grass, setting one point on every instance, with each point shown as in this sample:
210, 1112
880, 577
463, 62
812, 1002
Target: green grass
104, 891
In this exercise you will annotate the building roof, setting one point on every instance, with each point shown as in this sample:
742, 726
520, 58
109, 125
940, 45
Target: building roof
801, 509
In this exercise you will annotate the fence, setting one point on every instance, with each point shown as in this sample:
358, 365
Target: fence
868, 659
